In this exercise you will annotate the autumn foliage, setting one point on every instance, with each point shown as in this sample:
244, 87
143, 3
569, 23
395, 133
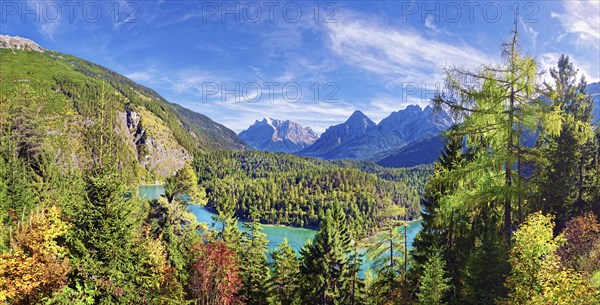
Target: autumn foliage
215, 276
581, 251
37, 264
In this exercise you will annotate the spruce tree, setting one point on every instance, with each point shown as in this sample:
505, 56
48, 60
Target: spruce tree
105, 236
324, 265
253, 264
285, 275
567, 180
433, 284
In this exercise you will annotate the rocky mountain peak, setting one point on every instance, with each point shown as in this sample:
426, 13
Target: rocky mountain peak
19, 43
278, 135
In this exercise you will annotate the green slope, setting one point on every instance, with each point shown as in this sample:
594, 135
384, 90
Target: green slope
63, 92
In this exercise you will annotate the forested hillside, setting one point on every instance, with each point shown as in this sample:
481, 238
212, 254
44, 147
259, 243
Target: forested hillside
292, 190
60, 94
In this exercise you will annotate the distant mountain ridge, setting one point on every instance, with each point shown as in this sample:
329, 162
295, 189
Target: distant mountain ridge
359, 138
357, 126
278, 136
593, 89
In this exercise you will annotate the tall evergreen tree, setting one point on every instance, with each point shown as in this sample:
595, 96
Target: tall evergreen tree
388, 256
568, 177
106, 221
253, 264
446, 234
324, 265
285, 275
433, 284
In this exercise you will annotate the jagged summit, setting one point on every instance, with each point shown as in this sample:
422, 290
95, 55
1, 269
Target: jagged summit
361, 138
278, 135
19, 43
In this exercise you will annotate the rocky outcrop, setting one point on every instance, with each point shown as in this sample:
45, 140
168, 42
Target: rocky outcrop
19, 43
153, 143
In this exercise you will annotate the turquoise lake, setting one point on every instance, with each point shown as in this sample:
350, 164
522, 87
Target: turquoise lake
275, 234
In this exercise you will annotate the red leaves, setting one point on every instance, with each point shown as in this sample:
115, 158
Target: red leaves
582, 247
215, 277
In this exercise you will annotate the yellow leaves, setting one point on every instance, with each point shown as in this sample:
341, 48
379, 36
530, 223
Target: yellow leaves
553, 122
538, 276
36, 264
39, 237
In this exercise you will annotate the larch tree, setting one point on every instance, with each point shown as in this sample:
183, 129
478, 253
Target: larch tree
495, 105
253, 264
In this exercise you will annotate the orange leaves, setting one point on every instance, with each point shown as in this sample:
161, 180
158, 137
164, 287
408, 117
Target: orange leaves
37, 264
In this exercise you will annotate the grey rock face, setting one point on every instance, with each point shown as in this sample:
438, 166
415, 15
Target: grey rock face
278, 136
19, 43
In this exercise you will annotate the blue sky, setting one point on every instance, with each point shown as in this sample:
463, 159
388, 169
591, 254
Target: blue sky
313, 62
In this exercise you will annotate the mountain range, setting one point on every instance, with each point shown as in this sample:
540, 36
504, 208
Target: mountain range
359, 138
427, 150
278, 136
161, 136
408, 137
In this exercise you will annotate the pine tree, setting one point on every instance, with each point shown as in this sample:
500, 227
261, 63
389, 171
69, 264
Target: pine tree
106, 232
253, 263
285, 275
185, 183
324, 265
568, 178
387, 255
433, 235
230, 233
433, 284
356, 291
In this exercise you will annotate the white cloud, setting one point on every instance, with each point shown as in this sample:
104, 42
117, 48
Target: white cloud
581, 18
531, 33
183, 81
47, 17
429, 23
399, 55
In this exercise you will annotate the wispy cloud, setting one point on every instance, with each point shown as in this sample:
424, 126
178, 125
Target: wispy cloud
581, 18
530, 32
183, 81
399, 55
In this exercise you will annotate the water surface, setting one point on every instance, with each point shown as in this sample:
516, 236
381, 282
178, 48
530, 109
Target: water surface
297, 237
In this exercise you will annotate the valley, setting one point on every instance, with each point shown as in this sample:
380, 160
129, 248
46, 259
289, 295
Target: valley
409, 159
